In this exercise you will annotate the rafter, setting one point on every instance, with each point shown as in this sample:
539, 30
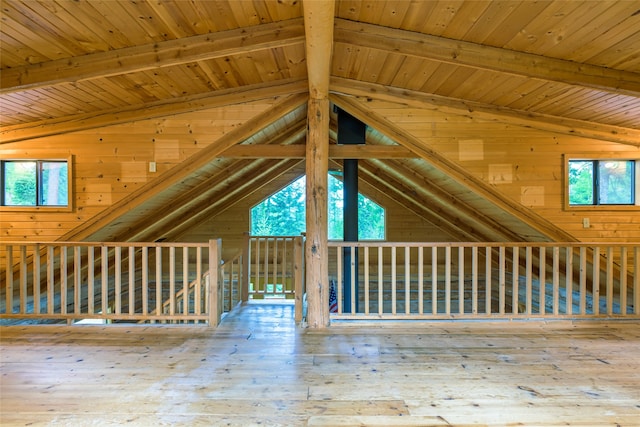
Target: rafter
151, 110
151, 56
486, 112
474, 55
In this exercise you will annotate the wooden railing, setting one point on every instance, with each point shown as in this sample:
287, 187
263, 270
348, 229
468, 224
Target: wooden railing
485, 280
274, 269
111, 281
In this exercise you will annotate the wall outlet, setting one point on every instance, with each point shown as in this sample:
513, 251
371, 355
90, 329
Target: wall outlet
152, 166
586, 223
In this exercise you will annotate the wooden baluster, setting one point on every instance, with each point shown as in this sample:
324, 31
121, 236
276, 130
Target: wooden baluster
596, 281
197, 304
9, 284
447, 279
118, 280
394, 269
529, 278
380, 280
77, 280
172, 280
407, 280
542, 279
36, 279
488, 271
502, 284
556, 279
23, 279
256, 281
461, 289
339, 278
63, 280
609, 280
159, 301
185, 280
420, 280
636, 280
366, 280
105, 280
569, 280
354, 296
91, 280
583, 280
50, 280
474, 280
515, 279
623, 280
434, 280
132, 280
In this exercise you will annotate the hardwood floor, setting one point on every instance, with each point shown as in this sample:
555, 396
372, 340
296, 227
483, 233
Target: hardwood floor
258, 368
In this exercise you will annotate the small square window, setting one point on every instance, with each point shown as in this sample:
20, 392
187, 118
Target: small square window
602, 182
34, 183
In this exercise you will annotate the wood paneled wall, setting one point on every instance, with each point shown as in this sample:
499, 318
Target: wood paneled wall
111, 162
525, 164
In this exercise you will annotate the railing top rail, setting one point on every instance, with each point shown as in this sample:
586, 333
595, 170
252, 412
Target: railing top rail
108, 244
385, 244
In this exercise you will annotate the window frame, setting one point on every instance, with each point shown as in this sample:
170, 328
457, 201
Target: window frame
32, 208
596, 158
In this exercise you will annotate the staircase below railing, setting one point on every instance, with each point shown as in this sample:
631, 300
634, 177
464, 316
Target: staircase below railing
116, 282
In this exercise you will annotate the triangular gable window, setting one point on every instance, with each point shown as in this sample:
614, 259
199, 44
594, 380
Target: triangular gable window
283, 213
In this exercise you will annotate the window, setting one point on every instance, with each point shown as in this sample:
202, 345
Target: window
602, 182
283, 213
35, 183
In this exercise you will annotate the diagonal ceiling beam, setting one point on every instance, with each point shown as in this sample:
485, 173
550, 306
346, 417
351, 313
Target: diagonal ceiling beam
491, 113
451, 169
487, 57
151, 110
151, 56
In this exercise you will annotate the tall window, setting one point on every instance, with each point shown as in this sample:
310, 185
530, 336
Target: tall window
283, 213
602, 182
35, 183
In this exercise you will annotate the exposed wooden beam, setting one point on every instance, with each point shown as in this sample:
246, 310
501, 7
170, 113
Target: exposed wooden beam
183, 170
151, 110
151, 56
486, 112
487, 57
452, 169
318, 26
263, 151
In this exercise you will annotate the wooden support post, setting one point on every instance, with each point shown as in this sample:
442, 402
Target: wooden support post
316, 249
318, 24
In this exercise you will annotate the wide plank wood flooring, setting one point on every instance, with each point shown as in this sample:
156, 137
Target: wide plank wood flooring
259, 368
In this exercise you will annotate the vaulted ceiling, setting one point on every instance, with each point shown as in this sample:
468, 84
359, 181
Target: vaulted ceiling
568, 67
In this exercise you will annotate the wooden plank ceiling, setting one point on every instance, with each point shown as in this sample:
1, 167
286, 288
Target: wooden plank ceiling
563, 66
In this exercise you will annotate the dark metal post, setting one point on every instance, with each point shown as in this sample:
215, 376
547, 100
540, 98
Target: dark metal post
350, 131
